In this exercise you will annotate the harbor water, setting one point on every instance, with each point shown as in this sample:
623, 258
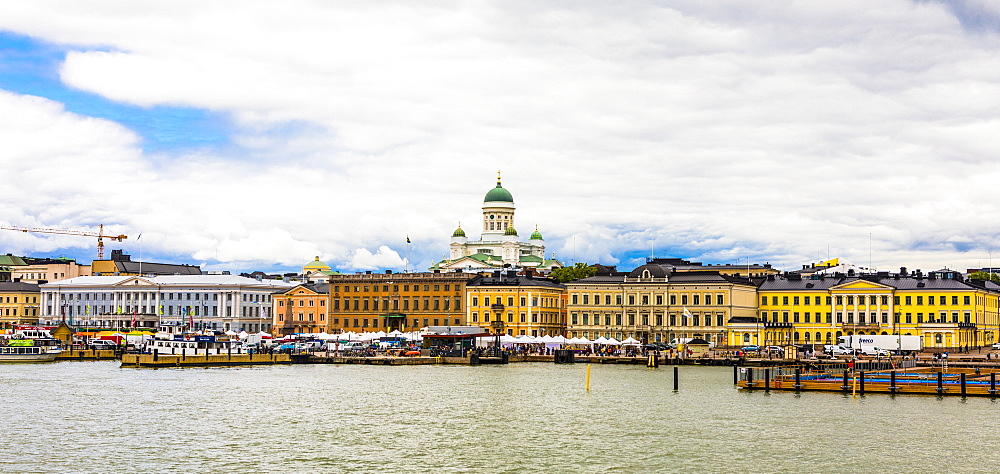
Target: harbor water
98, 417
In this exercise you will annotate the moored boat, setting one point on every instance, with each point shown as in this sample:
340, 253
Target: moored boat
27, 350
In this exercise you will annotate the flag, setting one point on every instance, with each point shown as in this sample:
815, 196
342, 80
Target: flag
88, 309
134, 318
161, 310
687, 314
407, 239
191, 317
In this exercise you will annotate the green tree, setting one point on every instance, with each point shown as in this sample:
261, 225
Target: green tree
985, 276
576, 272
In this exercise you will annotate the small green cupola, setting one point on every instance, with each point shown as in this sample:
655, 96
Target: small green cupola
498, 194
536, 235
458, 232
510, 231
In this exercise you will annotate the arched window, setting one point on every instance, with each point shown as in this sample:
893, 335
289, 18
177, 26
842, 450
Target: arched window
795, 337
806, 335
746, 338
937, 338
819, 336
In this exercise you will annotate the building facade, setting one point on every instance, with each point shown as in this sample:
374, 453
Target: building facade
44, 270
301, 309
370, 302
943, 308
657, 302
18, 303
171, 303
516, 304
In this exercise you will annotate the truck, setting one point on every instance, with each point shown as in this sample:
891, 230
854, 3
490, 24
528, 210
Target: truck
867, 343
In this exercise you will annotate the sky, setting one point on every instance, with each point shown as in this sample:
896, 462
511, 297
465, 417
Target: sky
254, 135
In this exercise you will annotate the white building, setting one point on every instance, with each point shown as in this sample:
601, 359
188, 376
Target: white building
499, 245
170, 303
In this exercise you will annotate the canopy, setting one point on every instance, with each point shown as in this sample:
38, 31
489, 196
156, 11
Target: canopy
631, 342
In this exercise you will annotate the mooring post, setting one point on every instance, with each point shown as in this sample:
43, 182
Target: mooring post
156, 355
961, 378
798, 378
892, 382
861, 378
993, 384
767, 380
736, 374
940, 380
750, 383
676, 382
845, 387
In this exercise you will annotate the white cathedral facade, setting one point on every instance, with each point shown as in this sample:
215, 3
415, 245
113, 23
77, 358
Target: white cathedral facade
499, 246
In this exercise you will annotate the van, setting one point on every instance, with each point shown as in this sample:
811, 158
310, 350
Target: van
102, 344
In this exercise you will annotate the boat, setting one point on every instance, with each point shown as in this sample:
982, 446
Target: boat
192, 344
27, 350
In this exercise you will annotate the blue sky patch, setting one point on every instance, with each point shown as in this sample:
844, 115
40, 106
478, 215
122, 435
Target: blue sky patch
31, 67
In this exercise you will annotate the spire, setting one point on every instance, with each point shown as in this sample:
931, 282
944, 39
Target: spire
498, 178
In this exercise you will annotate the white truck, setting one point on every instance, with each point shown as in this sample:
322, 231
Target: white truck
869, 344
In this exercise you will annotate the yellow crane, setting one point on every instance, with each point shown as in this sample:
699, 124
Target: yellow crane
99, 234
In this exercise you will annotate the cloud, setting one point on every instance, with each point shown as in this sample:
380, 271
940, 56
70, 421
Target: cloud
383, 258
715, 130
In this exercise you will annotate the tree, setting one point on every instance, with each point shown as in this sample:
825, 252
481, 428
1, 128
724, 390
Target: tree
985, 276
576, 272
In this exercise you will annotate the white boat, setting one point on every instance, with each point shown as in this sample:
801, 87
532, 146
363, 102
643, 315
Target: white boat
191, 344
26, 350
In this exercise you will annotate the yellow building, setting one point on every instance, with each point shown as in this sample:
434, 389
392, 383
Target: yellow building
302, 309
43, 270
121, 264
370, 302
18, 303
516, 304
941, 307
658, 302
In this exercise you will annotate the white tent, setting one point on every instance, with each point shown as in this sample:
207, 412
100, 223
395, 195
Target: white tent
613, 342
601, 340
631, 342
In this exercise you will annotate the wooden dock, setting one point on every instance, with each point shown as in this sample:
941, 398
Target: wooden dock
87, 354
220, 360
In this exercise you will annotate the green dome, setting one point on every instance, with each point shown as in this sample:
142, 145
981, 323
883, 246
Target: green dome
510, 231
458, 232
536, 235
498, 194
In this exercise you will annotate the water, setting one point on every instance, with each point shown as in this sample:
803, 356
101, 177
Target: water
97, 417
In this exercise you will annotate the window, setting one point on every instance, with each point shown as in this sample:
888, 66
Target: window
909, 300
954, 300
586, 299
966, 301
920, 300
763, 301
684, 299
720, 300
673, 299
696, 300
795, 301
574, 297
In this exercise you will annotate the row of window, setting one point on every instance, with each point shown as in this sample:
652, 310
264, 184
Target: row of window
692, 299
302, 302
385, 288
536, 317
13, 299
546, 302
871, 299
13, 311
375, 322
862, 318
149, 296
385, 304
694, 319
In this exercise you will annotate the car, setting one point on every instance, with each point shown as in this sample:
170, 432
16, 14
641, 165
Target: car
102, 344
774, 350
840, 350
750, 349
874, 351
996, 346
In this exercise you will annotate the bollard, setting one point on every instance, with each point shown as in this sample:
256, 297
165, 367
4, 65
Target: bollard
845, 387
750, 383
961, 378
993, 384
587, 385
861, 378
892, 382
940, 385
676, 385
736, 374
156, 355
798, 378
767, 380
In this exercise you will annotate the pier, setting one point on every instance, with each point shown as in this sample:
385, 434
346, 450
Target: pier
219, 360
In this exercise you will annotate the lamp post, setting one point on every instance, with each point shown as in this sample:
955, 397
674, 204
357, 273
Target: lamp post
497, 329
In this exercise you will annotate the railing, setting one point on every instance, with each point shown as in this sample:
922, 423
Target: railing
809, 369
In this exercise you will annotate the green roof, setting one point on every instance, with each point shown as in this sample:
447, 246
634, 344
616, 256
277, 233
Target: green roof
536, 235
458, 232
498, 194
510, 231
11, 260
531, 258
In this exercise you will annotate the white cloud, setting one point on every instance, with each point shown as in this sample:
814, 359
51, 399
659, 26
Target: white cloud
383, 258
720, 128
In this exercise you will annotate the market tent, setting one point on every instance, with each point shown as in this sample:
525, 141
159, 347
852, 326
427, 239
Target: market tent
614, 342
601, 340
631, 342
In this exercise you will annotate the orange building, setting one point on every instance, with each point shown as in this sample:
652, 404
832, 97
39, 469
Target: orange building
302, 308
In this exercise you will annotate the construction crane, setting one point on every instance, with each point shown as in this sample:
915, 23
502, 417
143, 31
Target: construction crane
99, 234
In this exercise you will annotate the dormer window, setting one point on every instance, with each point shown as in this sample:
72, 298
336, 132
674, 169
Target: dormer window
645, 274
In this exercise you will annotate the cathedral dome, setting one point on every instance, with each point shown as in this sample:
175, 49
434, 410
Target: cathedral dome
536, 235
315, 265
510, 231
458, 232
499, 194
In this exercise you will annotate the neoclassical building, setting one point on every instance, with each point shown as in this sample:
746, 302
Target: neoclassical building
499, 246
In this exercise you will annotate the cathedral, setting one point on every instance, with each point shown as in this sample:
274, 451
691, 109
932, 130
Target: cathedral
499, 246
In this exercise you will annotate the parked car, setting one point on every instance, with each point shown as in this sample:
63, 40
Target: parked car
996, 346
774, 350
750, 349
874, 351
102, 344
839, 350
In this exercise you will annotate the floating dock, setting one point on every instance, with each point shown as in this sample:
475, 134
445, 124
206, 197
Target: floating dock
872, 377
219, 360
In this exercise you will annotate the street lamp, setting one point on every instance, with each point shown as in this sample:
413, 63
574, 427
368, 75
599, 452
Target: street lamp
497, 329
